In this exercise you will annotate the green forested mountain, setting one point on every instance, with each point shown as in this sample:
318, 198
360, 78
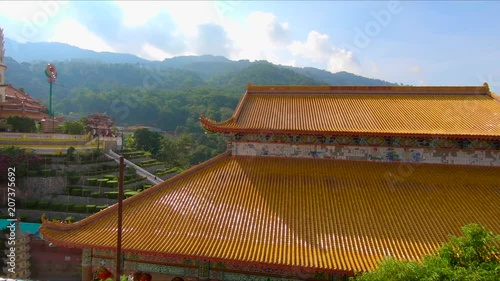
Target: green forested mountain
169, 94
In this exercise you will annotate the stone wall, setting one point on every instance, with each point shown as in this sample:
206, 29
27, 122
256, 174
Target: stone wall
38, 187
386, 154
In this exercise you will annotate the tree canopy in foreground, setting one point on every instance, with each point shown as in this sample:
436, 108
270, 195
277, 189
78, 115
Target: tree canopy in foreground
474, 256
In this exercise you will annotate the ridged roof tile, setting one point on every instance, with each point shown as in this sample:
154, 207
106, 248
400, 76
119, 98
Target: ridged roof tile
457, 111
308, 213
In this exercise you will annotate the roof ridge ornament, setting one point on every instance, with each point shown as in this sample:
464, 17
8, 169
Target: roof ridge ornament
486, 86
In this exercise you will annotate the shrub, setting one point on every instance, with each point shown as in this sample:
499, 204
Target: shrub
92, 181
76, 192
96, 194
70, 219
111, 194
73, 179
86, 192
91, 208
109, 177
56, 206
31, 204
101, 207
43, 204
102, 182
130, 193
146, 186
112, 184
67, 207
79, 208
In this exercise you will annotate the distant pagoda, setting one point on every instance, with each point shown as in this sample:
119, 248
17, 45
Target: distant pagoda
22, 257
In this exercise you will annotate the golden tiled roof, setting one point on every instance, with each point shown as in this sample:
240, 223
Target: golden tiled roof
296, 212
418, 111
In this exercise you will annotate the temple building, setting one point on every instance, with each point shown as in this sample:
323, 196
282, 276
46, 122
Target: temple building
15, 102
17, 254
319, 182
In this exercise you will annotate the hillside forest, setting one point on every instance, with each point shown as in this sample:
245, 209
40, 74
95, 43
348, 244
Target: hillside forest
170, 95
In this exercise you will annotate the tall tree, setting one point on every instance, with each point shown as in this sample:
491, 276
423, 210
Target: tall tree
21, 124
147, 140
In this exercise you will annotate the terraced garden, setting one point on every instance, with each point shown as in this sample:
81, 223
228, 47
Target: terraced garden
87, 186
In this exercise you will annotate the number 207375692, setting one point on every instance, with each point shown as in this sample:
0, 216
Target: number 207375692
11, 192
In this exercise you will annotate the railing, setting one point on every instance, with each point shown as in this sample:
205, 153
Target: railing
140, 171
48, 137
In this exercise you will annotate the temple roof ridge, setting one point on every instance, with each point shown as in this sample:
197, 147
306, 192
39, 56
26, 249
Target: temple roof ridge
398, 90
451, 111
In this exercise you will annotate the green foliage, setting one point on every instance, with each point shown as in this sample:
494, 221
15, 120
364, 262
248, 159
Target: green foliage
112, 184
21, 124
91, 208
68, 207
70, 154
73, 179
111, 194
101, 207
43, 204
109, 177
102, 182
4, 126
147, 140
92, 181
129, 142
56, 206
79, 208
76, 192
31, 204
474, 256
73, 127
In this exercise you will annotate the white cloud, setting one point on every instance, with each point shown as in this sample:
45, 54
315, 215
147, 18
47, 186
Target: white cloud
139, 13
73, 33
259, 37
151, 52
157, 30
188, 15
342, 60
319, 48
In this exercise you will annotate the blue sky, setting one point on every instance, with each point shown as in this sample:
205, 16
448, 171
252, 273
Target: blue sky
417, 43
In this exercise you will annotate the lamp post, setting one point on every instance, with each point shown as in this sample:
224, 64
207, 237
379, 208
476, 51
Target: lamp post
51, 73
